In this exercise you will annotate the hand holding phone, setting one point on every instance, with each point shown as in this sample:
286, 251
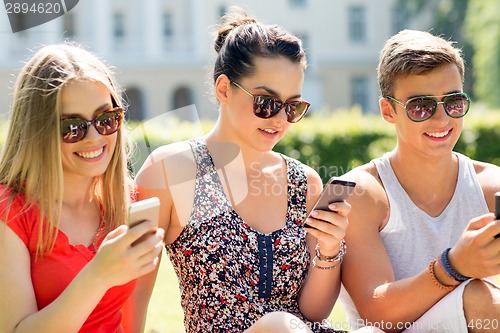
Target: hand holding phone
140, 211
336, 190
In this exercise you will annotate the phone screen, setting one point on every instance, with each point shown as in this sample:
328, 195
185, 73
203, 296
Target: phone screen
336, 190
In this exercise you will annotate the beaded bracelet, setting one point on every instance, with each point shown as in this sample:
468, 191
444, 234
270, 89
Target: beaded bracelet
338, 256
326, 267
450, 271
434, 279
337, 259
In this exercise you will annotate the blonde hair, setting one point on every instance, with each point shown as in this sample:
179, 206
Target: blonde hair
31, 162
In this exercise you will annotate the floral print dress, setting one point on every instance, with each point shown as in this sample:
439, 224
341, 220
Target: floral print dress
229, 274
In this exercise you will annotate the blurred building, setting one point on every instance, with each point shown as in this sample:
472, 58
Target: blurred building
163, 49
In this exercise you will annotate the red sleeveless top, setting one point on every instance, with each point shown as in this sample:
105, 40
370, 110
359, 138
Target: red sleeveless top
53, 272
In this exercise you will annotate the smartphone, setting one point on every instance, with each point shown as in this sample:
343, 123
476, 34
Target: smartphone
139, 211
336, 190
497, 209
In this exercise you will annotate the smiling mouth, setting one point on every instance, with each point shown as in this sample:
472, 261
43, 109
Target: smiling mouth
91, 154
268, 130
438, 134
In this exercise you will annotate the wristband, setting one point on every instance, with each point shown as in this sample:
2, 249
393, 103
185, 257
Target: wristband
450, 271
434, 278
315, 264
337, 259
339, 256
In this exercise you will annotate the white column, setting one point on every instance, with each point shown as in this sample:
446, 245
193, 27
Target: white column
199, 27
97, 22
152, 32
51, 32
6, 37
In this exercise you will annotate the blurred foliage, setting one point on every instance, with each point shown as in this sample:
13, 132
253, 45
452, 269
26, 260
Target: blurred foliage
334, 144
163, 129
330, 142
448, 18
482, 28
475, 27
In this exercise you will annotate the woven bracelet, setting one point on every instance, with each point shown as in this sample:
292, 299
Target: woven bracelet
450, 271
434, 279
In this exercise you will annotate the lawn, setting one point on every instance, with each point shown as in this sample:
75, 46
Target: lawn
165, 313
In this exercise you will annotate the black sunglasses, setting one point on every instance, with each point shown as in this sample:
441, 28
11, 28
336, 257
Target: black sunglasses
265, 106
421, 108
105, 122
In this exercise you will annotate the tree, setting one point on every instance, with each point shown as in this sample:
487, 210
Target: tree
482, 27
448, 22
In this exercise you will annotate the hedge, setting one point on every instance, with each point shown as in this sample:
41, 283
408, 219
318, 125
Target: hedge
330, 142
334, 142
344, 140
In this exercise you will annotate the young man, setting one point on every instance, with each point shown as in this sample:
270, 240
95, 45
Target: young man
421, 199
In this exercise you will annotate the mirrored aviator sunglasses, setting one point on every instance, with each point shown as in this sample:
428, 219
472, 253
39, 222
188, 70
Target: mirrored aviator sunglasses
265, 106
421, 108
107, 122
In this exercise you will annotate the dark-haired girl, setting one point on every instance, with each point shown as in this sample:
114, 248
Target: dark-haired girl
234, 210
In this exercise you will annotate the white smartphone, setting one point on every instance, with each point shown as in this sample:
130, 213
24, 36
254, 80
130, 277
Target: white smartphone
336, 190
147, 209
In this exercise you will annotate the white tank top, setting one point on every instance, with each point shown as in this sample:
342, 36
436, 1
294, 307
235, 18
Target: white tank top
411, 237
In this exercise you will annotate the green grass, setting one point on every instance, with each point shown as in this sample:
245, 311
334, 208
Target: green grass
165, 312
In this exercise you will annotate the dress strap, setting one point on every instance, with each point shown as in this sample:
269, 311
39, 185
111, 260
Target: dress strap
297, 191
209, 199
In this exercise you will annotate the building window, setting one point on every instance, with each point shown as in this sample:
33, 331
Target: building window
69, 25
182, 97
360, 93
168, 25
181, 100
298, 3
357, 24
118, 25
135, 101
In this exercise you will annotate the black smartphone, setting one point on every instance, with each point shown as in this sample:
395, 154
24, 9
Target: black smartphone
336, 190
497, 209
139, 211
